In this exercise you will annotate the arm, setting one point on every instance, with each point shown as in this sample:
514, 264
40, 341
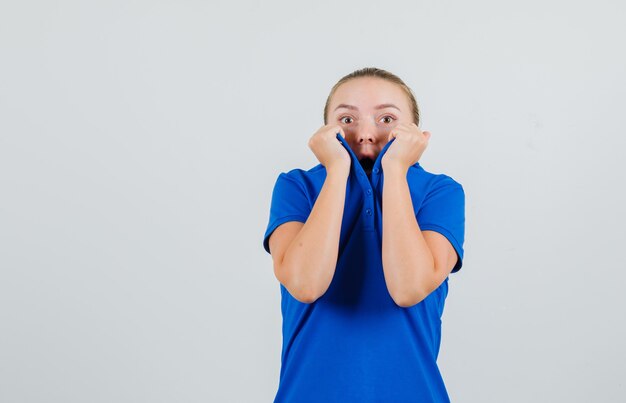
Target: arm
414, 262
305, 260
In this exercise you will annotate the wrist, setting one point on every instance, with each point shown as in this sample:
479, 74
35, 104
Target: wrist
394, 169
338, 171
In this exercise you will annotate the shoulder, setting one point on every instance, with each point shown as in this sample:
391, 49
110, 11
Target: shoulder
312, 172
424, 181
309, 179
305, 174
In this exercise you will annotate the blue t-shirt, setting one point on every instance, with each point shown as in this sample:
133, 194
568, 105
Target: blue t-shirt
354, 344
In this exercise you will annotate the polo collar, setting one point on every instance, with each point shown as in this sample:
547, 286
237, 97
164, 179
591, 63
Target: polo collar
356, 164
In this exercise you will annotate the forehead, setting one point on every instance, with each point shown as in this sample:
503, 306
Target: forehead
365, 92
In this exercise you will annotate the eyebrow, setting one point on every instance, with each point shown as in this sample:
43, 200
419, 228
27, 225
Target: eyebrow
381, 106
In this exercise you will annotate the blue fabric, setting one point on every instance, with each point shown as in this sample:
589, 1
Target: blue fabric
354, 344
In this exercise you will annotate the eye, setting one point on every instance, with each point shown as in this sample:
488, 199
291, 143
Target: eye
344, 117
389, 116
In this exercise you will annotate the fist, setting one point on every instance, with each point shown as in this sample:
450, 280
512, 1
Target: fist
328, 149
407, 148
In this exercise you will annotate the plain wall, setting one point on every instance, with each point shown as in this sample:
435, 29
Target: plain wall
140, 141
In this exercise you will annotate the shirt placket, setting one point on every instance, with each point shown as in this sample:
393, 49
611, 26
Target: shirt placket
371, 210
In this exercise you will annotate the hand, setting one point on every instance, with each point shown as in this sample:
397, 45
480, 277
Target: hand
329, 150
407, 148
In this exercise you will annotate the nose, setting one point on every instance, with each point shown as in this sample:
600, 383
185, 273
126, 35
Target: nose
366, 133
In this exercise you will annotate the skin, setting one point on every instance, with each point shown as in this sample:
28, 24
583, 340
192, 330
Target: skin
415, 262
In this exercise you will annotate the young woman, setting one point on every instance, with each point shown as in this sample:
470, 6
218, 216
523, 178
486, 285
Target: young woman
362, 245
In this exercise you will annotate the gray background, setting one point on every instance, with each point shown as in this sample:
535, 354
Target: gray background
139, 143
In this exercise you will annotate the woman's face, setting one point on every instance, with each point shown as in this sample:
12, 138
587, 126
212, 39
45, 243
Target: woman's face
368, 108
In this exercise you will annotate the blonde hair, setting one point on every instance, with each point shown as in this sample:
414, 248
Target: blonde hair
380, 73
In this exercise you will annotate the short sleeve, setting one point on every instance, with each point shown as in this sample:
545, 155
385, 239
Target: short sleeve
443, 210
289, 203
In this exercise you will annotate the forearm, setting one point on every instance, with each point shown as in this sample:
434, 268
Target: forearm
312, 255
408, 264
